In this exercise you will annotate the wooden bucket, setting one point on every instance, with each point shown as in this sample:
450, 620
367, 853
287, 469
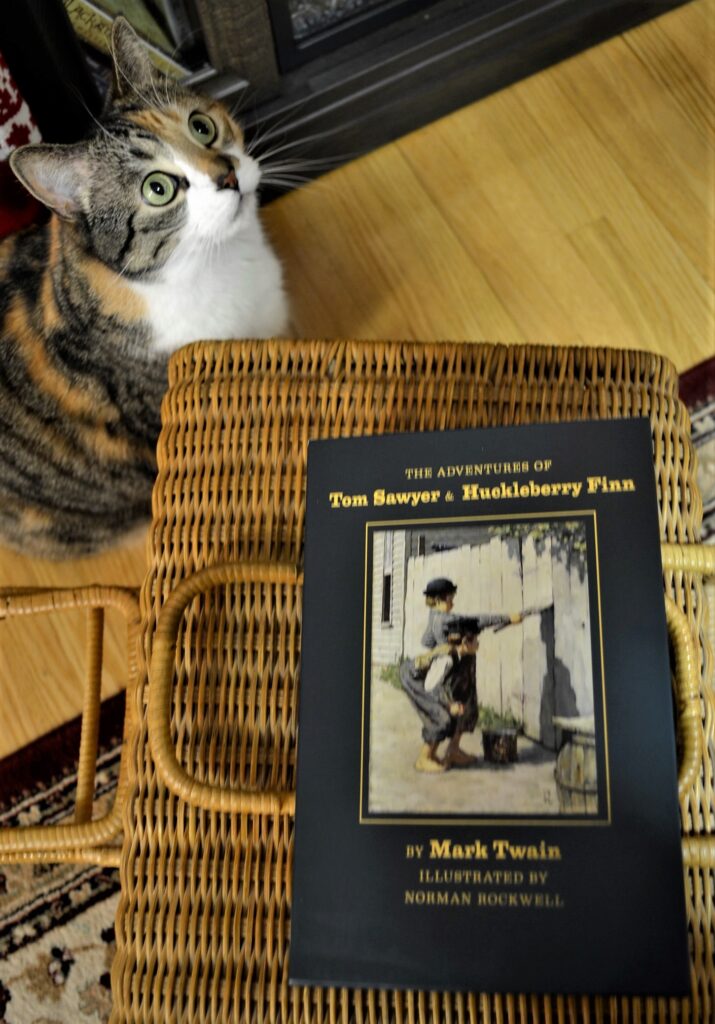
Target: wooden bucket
575, 770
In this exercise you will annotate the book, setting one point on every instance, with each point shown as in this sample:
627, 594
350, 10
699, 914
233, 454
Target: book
93, 23
486, 780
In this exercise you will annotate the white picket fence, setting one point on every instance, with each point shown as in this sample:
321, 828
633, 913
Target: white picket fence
538, 668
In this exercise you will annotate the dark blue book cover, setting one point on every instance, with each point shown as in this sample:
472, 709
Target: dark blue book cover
487, 793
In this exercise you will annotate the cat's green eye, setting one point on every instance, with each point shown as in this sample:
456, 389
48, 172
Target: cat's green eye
202, 128
158, 188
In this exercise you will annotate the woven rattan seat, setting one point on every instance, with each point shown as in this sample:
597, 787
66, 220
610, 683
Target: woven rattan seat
203, 926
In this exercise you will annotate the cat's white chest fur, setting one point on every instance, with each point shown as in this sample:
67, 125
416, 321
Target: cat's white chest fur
214, 291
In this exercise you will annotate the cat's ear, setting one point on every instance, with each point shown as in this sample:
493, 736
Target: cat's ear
133, 71
55, 175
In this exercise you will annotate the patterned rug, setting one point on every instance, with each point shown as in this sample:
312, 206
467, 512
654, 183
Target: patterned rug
57, 921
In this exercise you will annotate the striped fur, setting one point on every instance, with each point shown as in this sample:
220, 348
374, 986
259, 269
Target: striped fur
92, 302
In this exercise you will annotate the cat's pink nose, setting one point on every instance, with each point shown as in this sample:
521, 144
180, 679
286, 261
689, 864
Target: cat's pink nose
228, 180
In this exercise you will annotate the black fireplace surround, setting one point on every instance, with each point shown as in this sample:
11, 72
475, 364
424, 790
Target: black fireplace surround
341, 86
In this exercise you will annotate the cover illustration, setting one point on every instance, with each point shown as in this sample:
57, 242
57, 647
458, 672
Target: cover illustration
487, 795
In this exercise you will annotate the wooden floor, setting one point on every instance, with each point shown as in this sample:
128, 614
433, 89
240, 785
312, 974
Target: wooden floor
575, 207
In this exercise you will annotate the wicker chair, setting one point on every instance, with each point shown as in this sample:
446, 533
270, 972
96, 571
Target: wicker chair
203, 926
206, 792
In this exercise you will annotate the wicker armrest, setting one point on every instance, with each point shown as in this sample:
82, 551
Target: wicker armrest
83, 840
698, 559
203, 794
688, 697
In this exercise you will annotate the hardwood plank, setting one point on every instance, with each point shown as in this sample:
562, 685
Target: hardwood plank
640, 304
582, 183
526, 257
650, 142
567, 124
678, 52
349, 239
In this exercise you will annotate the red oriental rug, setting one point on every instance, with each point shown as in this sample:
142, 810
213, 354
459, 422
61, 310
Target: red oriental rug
57, 921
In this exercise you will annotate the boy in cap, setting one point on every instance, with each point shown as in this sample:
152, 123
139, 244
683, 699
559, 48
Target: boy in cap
450, 709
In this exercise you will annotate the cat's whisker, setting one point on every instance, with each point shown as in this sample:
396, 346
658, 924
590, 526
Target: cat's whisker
294, 161
213, 250
83, 103
298, 181
116, 143
287, 176
250, 146
293, 177
315, 136
240, 103
272, 153
125, 268
97, 122
306, 163
302, 166
271, 127
293, 180
257, 139
284, 169
273, 130
303, 142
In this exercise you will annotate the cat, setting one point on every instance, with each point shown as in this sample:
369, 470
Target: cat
154, 241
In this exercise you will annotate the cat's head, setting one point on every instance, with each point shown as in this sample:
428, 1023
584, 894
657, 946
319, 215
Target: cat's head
164, 173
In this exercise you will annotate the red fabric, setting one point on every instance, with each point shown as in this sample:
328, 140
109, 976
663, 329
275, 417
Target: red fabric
697, 385
17, 207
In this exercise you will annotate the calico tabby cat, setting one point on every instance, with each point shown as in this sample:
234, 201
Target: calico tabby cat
154, 241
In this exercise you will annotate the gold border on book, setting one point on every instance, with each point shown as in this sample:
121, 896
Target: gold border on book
555, 822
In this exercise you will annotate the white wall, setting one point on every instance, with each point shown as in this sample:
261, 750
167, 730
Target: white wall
387, 637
